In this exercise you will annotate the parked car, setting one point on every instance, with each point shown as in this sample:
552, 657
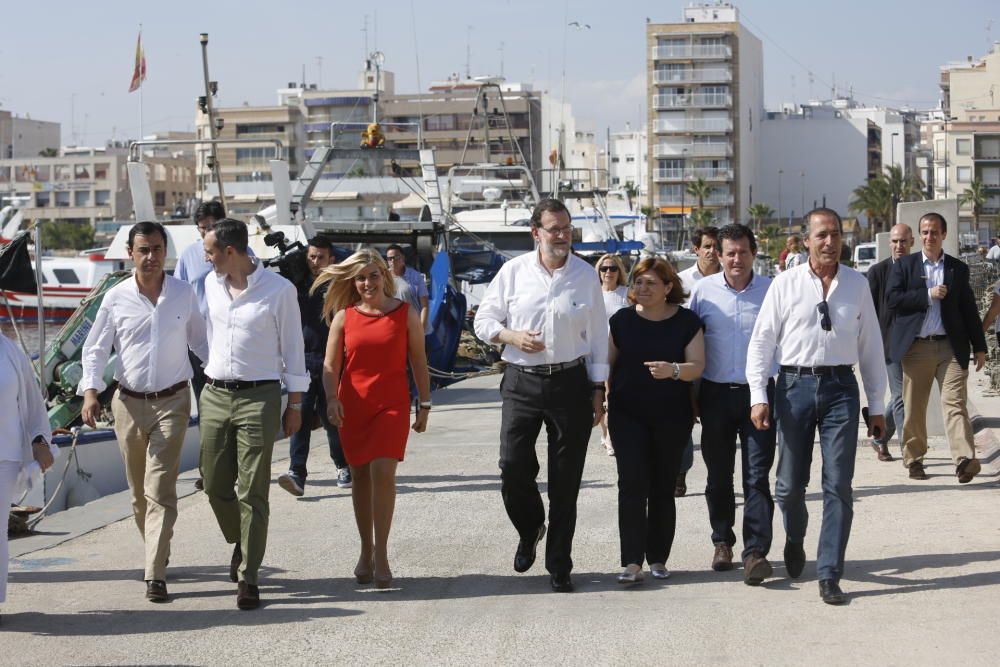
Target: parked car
864, 256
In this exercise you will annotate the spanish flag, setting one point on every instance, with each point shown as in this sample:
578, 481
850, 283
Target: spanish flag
139, 75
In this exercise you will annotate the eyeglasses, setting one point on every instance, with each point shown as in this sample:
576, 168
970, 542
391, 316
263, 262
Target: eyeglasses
557, 231
393, 258
605, 269
824, 310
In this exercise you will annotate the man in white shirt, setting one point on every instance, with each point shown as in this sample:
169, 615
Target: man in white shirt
151, 320
817, 321
547, 309
728, 304
255, 334
704, 244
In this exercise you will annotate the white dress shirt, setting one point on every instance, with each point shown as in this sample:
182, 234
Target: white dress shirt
257, 335
24, 419
933, 276
615, 300
728, 316
566, 306
152, 340
689, 277
788, 331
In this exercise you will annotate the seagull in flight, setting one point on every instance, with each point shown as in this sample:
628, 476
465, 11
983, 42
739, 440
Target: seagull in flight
580, 26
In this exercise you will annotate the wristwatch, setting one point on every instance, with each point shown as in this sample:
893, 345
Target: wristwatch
426, 405
677, 369
295, 406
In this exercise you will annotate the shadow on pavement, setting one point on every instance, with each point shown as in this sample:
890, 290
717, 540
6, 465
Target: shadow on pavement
890, 572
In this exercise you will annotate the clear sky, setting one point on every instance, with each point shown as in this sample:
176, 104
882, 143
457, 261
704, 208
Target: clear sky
71, 61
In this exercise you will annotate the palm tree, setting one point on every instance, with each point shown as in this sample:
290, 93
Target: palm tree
702, 217
974, 196
759, 212
768, 234
874, 199
901, 188
700, 190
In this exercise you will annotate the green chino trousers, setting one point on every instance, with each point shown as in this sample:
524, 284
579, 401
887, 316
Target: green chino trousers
237, 438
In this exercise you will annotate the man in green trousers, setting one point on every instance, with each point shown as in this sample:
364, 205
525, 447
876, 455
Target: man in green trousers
255, 339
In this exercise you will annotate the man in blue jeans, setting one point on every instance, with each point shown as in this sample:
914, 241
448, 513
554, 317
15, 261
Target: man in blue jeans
727, 304
319, 254
817, 321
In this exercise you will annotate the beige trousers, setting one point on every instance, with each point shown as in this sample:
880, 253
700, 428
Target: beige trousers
150, 436
925, 362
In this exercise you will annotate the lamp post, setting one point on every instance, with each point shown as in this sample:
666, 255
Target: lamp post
780, 172
802, 174
892, 163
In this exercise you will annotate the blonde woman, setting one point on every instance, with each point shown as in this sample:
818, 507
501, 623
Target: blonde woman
372, 337
611, 271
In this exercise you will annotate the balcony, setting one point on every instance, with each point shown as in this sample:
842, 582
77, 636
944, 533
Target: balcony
691, 203
693, 125
690, 174
692, 100
692, 150
719, 75
691, 51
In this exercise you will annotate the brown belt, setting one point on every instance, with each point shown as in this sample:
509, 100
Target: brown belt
169, 391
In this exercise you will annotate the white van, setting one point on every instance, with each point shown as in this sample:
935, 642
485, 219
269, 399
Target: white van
864, 256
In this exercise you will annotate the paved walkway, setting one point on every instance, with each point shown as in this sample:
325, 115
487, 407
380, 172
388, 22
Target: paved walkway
922, 572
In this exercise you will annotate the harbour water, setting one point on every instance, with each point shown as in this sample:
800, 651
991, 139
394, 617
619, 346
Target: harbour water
29, 333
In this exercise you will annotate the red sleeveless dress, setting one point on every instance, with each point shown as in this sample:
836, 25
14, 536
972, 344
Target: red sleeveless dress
374, 388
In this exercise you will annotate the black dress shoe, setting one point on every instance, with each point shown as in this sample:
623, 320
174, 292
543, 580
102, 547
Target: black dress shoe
234, 564
561, 583
830, 591
525, 556
795, 559
156, 590
247, 596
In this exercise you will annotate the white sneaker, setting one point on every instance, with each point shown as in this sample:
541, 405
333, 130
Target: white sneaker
659, 571
632, 574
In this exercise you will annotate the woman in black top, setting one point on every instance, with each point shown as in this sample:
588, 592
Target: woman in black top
657, 349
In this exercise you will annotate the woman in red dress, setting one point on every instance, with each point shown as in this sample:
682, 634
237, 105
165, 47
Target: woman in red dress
372, 337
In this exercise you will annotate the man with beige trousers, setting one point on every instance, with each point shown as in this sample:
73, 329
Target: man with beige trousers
150, 319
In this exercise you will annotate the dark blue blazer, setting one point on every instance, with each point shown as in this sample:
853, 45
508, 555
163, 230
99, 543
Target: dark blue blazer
906, 295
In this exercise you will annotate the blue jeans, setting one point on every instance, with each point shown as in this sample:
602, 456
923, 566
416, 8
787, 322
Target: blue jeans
313, 402
894, 415
801, 404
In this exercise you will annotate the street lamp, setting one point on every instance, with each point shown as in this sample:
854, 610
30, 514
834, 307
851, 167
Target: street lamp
780, 172
803, 202
892, 148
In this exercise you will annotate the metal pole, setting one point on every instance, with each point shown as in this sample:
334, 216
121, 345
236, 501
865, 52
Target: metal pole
780, 172
216, 168
41, 306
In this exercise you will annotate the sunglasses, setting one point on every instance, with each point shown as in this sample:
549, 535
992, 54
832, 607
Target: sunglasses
605, 269
824, 310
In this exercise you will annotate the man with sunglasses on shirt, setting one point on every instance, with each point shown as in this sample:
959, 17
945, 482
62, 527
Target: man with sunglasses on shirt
817, 322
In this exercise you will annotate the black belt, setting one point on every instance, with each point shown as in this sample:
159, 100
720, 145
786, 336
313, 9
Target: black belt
238, 385
727, 385
549, 369
938, 337
169, 391
817, 370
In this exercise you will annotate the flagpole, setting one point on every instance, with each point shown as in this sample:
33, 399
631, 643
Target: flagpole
140, 85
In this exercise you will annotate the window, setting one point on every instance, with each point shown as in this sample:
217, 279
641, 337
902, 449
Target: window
963, 147
4, 174
81, 198
160, 198
614, 159
62, 198
102, 197
43, 174
62, 172
630, 158
43, 199
939, 149
66, 276
101, 171
963, 174
81, 172
259, 128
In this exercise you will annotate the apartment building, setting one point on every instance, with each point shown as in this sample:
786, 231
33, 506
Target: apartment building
23, 136
964, 138
705, 105
90, 186
628, 161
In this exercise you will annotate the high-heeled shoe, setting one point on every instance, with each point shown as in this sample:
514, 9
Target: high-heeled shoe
365, 576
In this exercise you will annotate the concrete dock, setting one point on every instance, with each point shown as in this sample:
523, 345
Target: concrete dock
923, 573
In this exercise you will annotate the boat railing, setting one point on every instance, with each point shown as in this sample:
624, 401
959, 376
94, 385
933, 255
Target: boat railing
338, 127
135, 154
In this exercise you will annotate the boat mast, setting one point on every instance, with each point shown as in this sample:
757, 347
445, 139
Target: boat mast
213, 159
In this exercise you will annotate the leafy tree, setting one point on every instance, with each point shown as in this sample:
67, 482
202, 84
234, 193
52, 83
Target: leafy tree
874, 199
974, 196
700, 190
48, 152
67, 235
767, 235
759, 212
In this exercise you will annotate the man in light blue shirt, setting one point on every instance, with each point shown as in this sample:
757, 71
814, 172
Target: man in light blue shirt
728, 303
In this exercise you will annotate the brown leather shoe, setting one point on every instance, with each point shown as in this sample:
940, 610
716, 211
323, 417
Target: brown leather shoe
882, 451
917, 470
722, 560
967, 469
680, 487
756, 569
247, 596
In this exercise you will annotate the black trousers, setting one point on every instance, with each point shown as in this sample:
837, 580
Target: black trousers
562, 402
725, 415
648, 451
